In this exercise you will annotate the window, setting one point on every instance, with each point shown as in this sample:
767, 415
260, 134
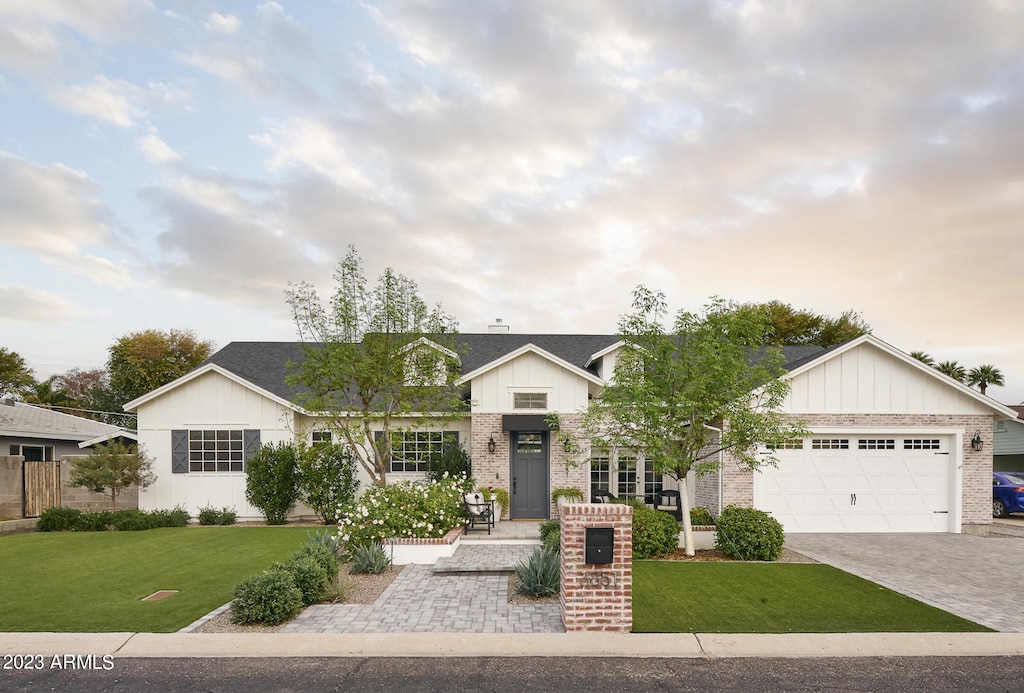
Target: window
600, 471
794, 444
626, 475
411, 451
529, 400
322, 437
529, 443
215, 451
36, 453
921, 444
652, 483
876, 444
830, 444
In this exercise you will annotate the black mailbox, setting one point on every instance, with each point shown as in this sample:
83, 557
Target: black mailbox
600, 543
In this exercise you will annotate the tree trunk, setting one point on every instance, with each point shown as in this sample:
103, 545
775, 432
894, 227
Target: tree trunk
684, 508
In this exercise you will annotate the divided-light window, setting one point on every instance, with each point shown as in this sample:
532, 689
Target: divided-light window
411, 451
921, 444
529, 400
830, 444
215, 451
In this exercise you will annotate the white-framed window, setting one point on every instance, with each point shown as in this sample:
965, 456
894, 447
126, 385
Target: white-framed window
412, 451
322, 437
33, 453
625, 465
600, 471
921, 444
876, 444
653, 483
529, 400
215, 451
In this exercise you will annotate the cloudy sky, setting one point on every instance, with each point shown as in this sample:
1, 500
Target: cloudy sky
176, 164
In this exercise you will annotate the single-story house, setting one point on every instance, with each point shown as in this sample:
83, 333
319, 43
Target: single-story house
895, 445
1008, 444
31, 434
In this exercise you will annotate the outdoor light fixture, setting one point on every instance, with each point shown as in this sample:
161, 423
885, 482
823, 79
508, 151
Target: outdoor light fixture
976, 441
491, 444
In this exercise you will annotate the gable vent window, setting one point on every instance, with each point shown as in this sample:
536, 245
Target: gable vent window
921, 444
876, 444
215, 451
830, 444
529, 400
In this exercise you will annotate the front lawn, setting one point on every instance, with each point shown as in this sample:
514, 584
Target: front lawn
728, 597
94, 581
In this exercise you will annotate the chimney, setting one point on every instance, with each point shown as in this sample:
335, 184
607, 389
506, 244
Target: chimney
498, 327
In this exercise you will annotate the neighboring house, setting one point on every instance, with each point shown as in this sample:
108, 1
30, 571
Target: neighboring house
890, 450
30, 434
1008, 445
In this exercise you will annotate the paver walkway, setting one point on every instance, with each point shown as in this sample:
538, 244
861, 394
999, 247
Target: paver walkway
977, 578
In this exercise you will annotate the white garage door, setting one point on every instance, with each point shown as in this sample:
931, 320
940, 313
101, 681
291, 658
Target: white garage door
859, 483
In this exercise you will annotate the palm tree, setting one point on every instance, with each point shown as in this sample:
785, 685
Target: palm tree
923, 358
47, 393
953, 369
985, 375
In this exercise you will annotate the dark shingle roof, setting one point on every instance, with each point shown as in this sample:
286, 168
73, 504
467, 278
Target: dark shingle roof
265, 364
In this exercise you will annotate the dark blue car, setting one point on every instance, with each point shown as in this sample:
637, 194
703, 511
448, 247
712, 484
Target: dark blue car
1007, 493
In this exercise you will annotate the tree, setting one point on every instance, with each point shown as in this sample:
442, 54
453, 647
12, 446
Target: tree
953, 369
15, 375
47, 393
272, 481
789, 326
923, 358
327, 479
985, 375
140, 362
372, 358
684, 395
90, 393
112, 467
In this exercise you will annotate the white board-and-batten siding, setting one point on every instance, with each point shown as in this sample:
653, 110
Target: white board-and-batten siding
869, 380
493, 390
208, 402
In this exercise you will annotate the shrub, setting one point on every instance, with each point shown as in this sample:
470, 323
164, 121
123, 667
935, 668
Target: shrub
337, 589
332, 542
178, 517
654, 533
405, 509
272, 481
550, 535
498, 494
59, 519
570, 494
270, 597
322, 555
749, 534
130, 521
701, 516
95, 522
538, 575
309, 576
369, 559
211, 516
327, 479
453, 461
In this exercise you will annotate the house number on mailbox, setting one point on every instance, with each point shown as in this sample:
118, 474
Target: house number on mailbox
599, 580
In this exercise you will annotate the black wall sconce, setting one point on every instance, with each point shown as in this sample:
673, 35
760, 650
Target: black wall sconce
491, 445
976, 442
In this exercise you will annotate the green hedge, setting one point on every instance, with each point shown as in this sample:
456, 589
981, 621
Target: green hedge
128, 520
655, 533
749, 534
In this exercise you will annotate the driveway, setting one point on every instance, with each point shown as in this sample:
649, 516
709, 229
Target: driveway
978, 578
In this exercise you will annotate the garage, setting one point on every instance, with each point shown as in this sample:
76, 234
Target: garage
866, 482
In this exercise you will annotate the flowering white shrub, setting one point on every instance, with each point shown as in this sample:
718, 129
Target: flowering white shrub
405, 509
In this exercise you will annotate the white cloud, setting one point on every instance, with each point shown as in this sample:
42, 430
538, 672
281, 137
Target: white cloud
222, 23
27, 305
115, 101
156, 150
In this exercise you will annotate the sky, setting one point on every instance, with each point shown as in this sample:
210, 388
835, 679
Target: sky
176, 164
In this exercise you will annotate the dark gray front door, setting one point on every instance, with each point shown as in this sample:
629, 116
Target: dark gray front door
529, 475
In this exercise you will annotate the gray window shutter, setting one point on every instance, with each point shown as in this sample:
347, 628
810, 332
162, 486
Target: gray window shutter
250, 443
179, 452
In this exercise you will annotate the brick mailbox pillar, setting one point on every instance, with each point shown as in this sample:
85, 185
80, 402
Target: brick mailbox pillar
597, 595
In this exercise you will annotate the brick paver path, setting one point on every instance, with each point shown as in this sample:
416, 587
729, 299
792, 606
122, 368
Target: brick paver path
977, 578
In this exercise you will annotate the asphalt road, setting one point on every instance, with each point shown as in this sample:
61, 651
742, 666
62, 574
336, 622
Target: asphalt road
531, 674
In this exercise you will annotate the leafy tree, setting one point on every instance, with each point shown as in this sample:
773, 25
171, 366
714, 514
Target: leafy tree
366, 363
923, 358
15, 375
112, 467
272, 481
953, 369
140, 362
686, 394
47, 393
327, 479
90, 393
985, 375
788, 326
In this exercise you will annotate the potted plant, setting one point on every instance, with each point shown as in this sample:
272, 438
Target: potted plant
499, 496
561, 496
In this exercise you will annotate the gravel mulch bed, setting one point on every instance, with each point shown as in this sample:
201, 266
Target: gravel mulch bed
362, 589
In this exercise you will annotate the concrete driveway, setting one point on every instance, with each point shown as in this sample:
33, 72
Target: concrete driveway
978, 578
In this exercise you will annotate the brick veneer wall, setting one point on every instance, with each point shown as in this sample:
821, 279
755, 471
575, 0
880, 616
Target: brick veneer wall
596, 597
976, 472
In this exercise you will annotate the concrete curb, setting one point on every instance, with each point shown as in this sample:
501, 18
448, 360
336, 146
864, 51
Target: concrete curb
681, 645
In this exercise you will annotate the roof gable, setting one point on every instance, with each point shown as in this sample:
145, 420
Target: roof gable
531, 349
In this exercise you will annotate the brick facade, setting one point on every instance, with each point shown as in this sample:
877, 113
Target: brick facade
976, 467
596, 597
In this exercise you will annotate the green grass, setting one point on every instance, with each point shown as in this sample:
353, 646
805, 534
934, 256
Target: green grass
724, 597
94, 581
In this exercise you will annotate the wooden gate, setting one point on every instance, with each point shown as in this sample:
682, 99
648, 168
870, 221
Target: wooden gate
42, 486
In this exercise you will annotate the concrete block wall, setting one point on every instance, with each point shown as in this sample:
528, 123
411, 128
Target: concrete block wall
83, 499
10, 486
596, 597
